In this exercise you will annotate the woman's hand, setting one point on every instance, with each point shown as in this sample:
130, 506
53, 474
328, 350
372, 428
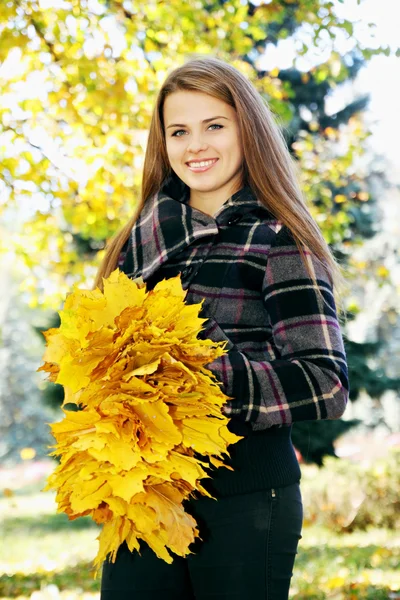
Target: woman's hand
227, 409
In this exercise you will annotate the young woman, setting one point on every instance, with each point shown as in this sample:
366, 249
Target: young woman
221, 205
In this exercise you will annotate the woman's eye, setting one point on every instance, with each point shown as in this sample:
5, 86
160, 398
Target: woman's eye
175, 134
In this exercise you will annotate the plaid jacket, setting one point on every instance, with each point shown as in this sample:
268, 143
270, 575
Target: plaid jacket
286, 360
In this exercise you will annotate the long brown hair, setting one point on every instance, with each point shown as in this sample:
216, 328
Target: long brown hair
268, 167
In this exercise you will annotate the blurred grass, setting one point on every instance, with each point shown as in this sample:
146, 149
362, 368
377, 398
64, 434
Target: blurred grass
347, 566
44, 556
44, 550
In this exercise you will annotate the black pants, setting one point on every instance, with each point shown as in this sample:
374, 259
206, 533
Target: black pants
247, 553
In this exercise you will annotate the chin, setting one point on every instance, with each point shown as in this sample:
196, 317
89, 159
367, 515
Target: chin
205, 186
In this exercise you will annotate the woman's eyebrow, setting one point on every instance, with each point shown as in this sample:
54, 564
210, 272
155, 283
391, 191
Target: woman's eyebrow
204, 121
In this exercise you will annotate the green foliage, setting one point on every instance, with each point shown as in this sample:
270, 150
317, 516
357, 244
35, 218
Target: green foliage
73, 146
98, 73
315, 439
52, 393
374, 381
372, 499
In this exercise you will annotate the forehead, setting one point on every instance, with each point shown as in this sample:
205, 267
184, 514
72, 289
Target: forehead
193, 107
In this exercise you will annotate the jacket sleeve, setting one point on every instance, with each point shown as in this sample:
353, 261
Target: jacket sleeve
308, 379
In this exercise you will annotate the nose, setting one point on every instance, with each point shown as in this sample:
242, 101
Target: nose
196, 144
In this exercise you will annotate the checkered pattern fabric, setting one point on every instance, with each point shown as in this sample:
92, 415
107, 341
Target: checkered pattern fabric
286, 360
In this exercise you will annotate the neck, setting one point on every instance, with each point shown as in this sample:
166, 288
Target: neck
211, 201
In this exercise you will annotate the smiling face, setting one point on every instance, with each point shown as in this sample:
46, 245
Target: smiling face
203, 147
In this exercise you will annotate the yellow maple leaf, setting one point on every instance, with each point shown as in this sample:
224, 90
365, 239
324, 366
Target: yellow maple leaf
149, 414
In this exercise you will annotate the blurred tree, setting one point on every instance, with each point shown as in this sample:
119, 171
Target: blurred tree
315, 439
327, 146
79, 81
23, 429
373, 380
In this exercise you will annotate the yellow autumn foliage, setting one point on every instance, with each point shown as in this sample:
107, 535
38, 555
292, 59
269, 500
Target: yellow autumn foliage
149, 425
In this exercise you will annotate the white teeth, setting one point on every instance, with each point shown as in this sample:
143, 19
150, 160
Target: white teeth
204, 163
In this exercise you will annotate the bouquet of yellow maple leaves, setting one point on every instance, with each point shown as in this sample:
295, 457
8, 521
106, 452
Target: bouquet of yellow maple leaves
149, 421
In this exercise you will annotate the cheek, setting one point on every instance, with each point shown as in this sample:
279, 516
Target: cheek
174, 152
232, 147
